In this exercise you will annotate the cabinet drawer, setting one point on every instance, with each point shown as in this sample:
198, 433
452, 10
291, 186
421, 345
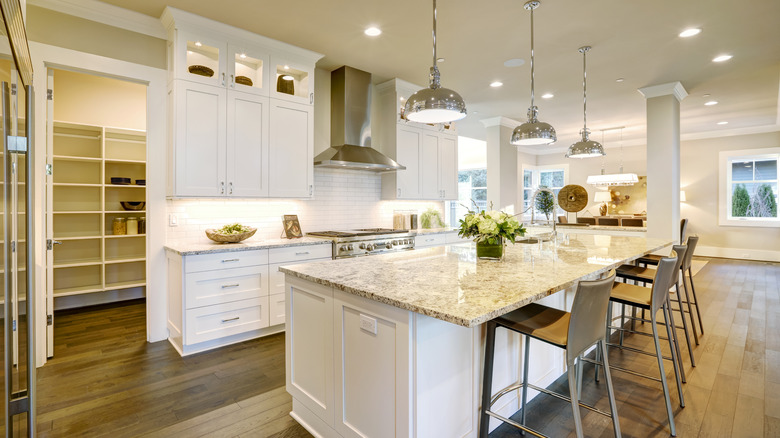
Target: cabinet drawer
209, 287
454, 238
225, 260
220, 320
293, 254
276, 307
424, 240
275, 279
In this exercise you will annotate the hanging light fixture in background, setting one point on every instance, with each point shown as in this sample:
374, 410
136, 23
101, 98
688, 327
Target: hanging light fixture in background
614, 179
435, 104
585, 148
533, 132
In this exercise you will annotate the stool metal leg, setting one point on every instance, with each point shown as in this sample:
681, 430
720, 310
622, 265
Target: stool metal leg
487, 381
574, 395
695, 300
526, 356
580, 366
665, 387
690, 310
674, 343
675, 350
602, 346
685, 325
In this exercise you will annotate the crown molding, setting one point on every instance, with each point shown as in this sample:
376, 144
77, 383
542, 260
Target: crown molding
675, 89
107, 14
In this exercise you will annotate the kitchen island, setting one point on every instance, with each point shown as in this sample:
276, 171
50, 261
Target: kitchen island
391, 345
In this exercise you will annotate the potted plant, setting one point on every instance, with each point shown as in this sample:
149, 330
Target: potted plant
489, 230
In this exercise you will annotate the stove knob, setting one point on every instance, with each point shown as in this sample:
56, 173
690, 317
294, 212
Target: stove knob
350, 247
369, 247
343, 247
362, 246
389, 245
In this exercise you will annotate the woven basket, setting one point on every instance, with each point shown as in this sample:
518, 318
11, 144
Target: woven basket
229, 238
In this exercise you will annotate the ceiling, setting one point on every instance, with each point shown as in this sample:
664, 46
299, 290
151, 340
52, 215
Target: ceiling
636, 41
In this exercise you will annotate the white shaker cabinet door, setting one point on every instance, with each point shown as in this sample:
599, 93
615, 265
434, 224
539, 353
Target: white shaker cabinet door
291, 165
448, 166
247, 145
200, 139
408, 149
429, 162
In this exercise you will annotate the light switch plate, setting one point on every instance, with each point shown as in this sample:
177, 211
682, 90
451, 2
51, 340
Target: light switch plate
368, 324
173, 220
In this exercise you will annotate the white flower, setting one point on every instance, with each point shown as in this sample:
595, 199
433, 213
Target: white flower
488, 226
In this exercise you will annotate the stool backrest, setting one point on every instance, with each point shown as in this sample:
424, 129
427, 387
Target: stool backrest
692, 241
588, 314
563, 220
663, 280
683, 229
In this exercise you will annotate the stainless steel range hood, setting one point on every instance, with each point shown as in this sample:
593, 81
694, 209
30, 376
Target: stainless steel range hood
350, 125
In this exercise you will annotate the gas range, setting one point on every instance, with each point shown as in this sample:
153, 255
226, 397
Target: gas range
367, 241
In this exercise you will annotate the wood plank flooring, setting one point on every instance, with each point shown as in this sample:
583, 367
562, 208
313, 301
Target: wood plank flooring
105, 380
734, 390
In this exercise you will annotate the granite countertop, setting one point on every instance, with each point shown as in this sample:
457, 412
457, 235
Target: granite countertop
200, 247
449, 282
422, 231
602, 227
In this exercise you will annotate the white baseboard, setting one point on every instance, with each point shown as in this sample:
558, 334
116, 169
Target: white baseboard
738, 253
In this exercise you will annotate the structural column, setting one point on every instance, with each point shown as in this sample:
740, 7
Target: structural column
503, 174
663, 159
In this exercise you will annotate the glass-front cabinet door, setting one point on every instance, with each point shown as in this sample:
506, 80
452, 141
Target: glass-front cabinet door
247, 69
292, 81
201, 59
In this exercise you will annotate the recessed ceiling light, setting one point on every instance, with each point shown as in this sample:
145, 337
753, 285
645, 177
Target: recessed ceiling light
711, 102
242, 56
402, 98
721, 58
547, 96
514, 62
723, 123
496, 84
287, 77
286, 67
619, 80
705, 95
439, 59
373, 31
690, 32
198, 44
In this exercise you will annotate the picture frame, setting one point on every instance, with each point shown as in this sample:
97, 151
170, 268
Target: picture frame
291, 228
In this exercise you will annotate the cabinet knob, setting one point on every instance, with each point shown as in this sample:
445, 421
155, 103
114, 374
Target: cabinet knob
232, 81
230, 191
222, 187
223, 78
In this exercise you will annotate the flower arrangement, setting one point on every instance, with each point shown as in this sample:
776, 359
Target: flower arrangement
490, 227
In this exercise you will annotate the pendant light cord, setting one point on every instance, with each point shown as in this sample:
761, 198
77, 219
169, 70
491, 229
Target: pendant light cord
532, 57
434, 33
584, 50
435, 77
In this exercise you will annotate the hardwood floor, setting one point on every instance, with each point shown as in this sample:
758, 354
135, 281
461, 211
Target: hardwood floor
734, 390
105, 380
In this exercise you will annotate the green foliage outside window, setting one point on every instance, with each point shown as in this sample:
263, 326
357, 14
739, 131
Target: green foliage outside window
740, 201
763, 203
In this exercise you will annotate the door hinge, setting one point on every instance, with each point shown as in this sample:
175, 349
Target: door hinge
49, 319
49, 94
13, 246
13, 89
49, 169
13, 325
51, 242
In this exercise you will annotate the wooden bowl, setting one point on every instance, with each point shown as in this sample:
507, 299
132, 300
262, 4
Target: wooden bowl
243, 80
201, 70
229, 238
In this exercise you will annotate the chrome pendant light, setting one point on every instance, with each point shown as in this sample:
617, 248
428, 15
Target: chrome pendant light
533, 132
435, 104
585, 148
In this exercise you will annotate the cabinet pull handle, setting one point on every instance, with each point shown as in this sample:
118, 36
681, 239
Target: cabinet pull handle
311, 189
232, 81
223, 78
231, 187
235, 318
222, 187
399, 192
229, 260
311, 97
302, 253
228, 286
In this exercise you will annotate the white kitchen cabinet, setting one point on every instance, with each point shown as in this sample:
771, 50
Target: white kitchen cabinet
289, 256
429, 152
291, 168
222, 123
428, 240
220, 142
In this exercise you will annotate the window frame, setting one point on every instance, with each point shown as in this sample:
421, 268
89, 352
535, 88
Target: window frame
725, 186
536, 172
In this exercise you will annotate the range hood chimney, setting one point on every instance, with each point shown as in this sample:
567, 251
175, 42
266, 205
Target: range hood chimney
350, 125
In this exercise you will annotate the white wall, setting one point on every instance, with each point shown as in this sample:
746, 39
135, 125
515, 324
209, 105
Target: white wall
343, 199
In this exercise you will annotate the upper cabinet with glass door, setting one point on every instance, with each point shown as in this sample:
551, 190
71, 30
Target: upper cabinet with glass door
292, 81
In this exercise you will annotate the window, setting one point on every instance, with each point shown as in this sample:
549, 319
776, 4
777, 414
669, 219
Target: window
472, 185
552, 177
749, 187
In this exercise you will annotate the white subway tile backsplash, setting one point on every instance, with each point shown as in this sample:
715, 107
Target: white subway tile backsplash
343, 199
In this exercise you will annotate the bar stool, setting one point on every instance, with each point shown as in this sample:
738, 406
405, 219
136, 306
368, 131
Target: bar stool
575, 332
646, 275
652, 259
651, 299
